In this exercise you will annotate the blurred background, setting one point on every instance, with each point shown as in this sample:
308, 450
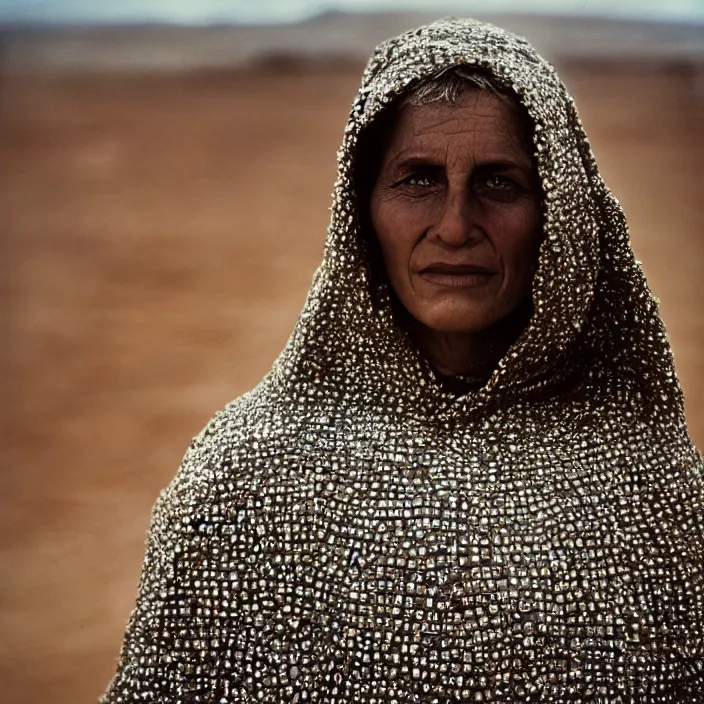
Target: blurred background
166, 175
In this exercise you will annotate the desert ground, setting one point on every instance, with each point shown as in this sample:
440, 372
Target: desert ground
158, 237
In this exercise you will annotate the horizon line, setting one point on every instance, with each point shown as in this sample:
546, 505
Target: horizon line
694, 19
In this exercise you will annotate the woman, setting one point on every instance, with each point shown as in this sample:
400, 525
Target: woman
468, 476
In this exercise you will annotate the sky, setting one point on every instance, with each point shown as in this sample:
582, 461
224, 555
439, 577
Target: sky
265, 11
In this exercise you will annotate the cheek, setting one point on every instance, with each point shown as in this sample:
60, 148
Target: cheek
393, 229
518, 236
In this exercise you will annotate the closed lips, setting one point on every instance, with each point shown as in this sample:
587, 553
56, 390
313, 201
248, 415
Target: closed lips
457, 270
456, 276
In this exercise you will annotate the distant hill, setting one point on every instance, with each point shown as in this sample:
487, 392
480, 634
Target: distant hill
337, 35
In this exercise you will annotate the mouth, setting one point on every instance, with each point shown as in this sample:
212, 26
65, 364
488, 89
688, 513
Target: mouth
456, 275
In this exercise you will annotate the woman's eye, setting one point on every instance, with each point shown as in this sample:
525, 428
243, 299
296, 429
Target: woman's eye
417, 181
500, 188
500, 183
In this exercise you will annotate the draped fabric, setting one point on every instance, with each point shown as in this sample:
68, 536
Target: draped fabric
352, 531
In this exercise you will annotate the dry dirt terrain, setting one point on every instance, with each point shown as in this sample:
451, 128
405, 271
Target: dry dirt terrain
158, 236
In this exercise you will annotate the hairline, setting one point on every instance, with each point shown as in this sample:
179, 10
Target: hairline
448, 85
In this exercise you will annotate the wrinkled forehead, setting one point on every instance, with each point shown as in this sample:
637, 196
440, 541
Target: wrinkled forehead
497, 122
475, 126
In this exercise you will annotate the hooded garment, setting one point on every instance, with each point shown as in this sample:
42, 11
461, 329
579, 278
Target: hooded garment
351, 531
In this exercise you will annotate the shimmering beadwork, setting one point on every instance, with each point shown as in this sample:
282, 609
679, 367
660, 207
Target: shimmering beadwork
350, 531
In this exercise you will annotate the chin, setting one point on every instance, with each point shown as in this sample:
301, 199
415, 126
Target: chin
458, 323
475, 320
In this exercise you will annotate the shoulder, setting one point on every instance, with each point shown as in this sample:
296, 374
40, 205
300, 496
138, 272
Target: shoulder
248, 445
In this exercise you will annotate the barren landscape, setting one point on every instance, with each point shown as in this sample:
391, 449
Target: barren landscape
158, 237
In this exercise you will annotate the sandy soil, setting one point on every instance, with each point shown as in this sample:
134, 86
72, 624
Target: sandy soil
158, 238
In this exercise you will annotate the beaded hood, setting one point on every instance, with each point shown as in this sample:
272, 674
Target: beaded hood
351, 531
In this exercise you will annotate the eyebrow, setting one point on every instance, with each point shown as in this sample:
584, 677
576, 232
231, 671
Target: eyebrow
400, 162
414, 160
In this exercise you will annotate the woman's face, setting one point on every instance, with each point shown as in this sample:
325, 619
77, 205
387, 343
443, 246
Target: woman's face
457, 211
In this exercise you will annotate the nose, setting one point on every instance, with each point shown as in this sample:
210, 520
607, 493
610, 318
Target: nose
459, 222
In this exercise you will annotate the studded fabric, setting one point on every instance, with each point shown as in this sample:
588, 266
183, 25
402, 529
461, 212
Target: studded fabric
352, 531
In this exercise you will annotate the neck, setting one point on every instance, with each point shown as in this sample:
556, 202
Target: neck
474, 354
